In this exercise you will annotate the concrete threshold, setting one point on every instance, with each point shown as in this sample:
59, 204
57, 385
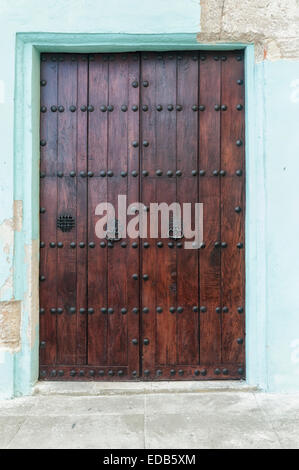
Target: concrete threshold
138, 388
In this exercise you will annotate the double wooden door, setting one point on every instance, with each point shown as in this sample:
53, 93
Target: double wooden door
155, 127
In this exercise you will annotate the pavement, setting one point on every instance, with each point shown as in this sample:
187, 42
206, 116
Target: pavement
149, 416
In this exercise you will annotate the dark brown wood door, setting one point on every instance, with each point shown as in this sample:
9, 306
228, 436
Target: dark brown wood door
154, 127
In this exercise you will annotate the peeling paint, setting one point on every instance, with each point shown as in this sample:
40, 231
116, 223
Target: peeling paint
10, 322
18, 215
31, 299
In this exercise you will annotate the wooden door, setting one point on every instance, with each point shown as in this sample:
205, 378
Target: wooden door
155, 127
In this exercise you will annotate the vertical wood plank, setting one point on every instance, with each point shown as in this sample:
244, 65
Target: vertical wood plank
232, 221
209, 190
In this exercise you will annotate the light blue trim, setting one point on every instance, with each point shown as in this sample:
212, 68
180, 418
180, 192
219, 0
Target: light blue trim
26, 188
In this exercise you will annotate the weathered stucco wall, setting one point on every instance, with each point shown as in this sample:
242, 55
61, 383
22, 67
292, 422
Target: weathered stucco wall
272, 26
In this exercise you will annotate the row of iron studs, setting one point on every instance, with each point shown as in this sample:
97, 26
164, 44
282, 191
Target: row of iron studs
124, 311
111, 373
111, 57
124, 107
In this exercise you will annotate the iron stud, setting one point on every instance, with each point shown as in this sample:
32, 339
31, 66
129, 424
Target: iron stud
103, 108
59, 174
203, 372
145, 107
238, 209
196, 372
146, 341
179, 244
172, 309
72, 173
72, 310
73, 245
202, 172
240, 245
203, 309
135, 143
42, 278
103, 310
146, 372
145, 310
178, 173
72, 108
145, 83
145, 172
110, 372
82, 244
134, 173
83, 108
225, 371
217, 371
169, 173
92, 373
90, 310
42, 311
43, 143
123, 311
159, 107
102, 173
240, 81
110, 108
159, 244
180, 309
194, 172
110, 173
181, 372
172, 372
90, 108
179, 107
159, 309
145, 277
43, 109
240, 340
59, 310
239, 172
223, 244
202, 107
53, 310
110, 310
215, 173
146, 245
43, 82
222, 172
239, 143
124, 108
223, 107
135, 310
120, 373
218, 310
194, 107
134, 245
240, 309
240, 371
83, 174
239, 107
101, 373
91, 244
61, 373
195, 308
159, 172
217, 107
170, 107
145, 143
123, 244
135, 276
134, 108
102, 244
90, 174
170, 245
135, 84
43, 344
217, 244
82, 310
42, 244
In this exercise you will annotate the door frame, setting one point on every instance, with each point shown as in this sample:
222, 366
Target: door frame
29, 46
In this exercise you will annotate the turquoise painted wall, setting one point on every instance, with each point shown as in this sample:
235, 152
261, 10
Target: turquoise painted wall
272, 225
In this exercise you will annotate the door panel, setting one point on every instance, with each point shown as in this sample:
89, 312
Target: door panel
156, 128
